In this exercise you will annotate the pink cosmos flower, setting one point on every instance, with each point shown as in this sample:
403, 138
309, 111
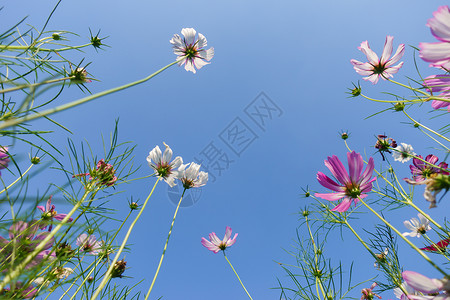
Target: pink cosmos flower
439, 84
89, 243
191, 48
409, 290
215, 244
422, 170
427, 286
49, 213
379, 67
368, 294
4, 157
26, 240
438, 54
350, 187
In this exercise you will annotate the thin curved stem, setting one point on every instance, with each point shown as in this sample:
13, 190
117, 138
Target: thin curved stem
409, 87
15, 181
429, 129
394, 101
23, 86
165, 248
50, 111
237, 275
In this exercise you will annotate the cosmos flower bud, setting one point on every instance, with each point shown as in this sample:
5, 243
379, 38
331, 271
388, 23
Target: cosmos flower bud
119, 268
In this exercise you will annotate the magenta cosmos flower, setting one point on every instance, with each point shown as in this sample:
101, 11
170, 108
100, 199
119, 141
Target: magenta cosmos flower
439, 84
429, 287
424, 170
23, 241
190, 50
438, 54
49, 213
438, 247
349, 186
215, 244
379, 67
4, 157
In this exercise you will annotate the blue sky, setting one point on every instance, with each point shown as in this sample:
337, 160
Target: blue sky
296, 52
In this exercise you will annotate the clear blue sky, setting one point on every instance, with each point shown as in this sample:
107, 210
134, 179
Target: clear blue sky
296, 52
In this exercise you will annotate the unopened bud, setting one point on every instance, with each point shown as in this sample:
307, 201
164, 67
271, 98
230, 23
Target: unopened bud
119, 268
35, 160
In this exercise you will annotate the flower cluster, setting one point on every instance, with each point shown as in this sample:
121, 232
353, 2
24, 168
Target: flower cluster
189, 174
103, 174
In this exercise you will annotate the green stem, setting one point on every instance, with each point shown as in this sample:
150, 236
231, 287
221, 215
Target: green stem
316, 260
410, 88
429, 129
23, 86
165, 248
18, 270
107, 275
404, 238
15, 181
394, 101
237, 275
34, 48
439, 99
53, 110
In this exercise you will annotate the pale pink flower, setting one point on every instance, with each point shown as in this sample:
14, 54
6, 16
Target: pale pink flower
409, 290
350, 187
160, 162
439, 84
89, 244
379, 67
215, 244
427, 286
438, 54
190, 50
191, 177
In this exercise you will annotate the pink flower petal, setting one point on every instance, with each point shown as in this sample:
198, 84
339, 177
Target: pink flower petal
440, 24
422, 283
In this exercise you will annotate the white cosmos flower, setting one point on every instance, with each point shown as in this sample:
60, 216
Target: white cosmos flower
160, 162
403, 152
191, 177
189, 49
417, 227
